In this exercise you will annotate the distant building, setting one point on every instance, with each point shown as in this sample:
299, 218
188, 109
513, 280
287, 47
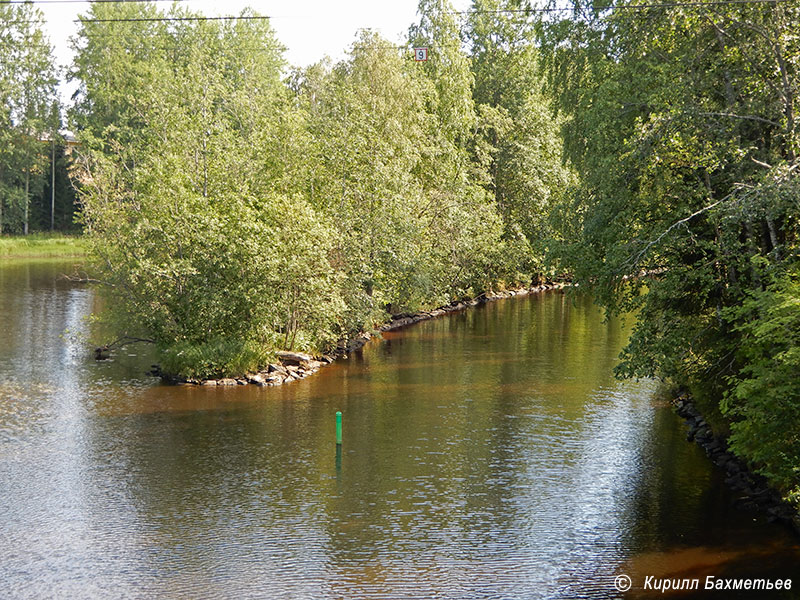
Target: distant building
69, 139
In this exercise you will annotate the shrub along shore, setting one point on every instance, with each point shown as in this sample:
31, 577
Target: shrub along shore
292, 366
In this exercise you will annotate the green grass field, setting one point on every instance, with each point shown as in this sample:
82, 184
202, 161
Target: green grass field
41, 245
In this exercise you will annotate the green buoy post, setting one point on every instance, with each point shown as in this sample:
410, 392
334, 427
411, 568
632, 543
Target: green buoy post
338, 428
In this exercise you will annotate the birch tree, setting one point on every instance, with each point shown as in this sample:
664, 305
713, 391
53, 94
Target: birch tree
30, 111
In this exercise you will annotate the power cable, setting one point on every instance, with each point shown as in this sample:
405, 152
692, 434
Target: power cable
150, 19
81, 1
658, 5
616, 7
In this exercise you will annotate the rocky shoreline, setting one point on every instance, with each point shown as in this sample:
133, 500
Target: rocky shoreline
754, 492
292, 366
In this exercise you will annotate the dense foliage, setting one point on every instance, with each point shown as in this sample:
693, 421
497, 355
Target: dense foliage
518, 140
29, 116
188, 191
237, 211
681, 121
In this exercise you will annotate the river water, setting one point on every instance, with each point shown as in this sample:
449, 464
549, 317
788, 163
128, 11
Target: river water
487, 454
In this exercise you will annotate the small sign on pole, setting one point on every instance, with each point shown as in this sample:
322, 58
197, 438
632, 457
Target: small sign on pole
420, 54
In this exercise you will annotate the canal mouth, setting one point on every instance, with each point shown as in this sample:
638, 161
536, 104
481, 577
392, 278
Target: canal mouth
488, 453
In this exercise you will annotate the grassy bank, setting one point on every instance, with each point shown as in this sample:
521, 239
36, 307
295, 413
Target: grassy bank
41, 245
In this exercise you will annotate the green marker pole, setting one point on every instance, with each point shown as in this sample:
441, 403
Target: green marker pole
338, 428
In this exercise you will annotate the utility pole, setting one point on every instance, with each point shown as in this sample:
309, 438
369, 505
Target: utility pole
27, 199
53, 187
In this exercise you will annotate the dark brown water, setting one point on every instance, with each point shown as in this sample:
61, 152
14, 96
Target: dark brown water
488, 454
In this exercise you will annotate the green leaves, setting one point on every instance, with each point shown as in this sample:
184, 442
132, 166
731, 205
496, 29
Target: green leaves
681, 123
28, 111
764, 398
182, 192
517, 141
228, 208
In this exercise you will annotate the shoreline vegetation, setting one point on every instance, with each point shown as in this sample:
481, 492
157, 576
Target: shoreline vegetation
236, 212
293, 366
42, 245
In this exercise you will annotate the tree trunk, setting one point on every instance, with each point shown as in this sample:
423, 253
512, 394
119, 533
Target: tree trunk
773, 237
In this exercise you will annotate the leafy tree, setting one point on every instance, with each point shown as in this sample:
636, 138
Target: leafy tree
447, 69
234, 213
518, 137
367, 121
764, 397
681, 123
183, 192
28, 90
376, 142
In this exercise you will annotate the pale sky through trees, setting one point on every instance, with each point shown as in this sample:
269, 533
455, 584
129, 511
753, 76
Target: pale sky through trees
310, 29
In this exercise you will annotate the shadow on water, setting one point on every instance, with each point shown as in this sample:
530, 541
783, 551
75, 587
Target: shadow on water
486, 454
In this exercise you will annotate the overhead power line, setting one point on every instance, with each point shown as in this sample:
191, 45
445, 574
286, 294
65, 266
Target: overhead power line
617, 7
148, 19
80, 1
657, 5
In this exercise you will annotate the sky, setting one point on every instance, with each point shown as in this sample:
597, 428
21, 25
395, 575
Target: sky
310, 29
